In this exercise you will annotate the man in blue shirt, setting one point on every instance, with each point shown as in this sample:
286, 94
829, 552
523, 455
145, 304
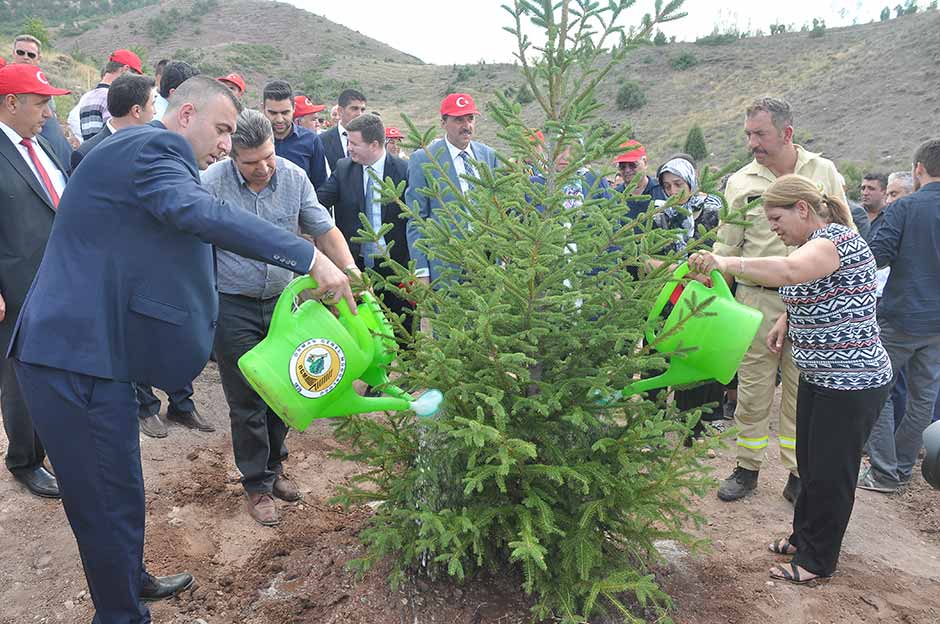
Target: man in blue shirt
298, 145
909, 316
632, 162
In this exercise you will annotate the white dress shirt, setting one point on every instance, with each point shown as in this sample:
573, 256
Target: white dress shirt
374, 211
459, 163
343, 138
55, 174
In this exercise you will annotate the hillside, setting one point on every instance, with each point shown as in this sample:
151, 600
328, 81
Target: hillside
862, 94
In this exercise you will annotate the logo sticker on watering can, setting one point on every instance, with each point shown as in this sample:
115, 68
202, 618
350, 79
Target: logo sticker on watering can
316, 367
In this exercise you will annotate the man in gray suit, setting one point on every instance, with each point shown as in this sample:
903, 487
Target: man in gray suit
459, 155
32, 179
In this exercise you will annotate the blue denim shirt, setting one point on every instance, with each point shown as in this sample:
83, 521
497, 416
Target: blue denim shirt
304, 148
908, 240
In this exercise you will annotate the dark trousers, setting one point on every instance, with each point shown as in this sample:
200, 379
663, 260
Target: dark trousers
831, 428
257, 433
395, 303
24, 450
89, 428
180, 400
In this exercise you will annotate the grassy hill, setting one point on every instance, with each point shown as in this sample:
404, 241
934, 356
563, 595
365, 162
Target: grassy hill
863, 94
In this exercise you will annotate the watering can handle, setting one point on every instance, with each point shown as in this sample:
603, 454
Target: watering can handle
718, 283
285, 305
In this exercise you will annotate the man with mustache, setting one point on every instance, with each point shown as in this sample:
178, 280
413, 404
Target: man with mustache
768, 125
459, 156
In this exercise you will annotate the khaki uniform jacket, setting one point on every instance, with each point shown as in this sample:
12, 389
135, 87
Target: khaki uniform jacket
748, 183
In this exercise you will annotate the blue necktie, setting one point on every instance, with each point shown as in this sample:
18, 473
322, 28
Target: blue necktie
468, 168
375, 218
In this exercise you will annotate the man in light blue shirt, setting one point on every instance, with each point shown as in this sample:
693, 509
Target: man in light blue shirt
257, 180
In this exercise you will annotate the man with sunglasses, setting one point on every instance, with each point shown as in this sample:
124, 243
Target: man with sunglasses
631, 163
27, 50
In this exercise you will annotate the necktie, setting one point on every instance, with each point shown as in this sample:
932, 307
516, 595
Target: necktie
468, 168
375, 218
345, 144
46, 180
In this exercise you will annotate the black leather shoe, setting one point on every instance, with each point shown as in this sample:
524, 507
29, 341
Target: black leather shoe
160, 587
792, 491
193, 420
40, 482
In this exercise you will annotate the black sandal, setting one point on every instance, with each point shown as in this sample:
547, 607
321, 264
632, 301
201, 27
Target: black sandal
781, 547
793, 575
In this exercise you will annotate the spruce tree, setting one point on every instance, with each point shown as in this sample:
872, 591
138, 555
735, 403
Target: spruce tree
535, 463
695, 143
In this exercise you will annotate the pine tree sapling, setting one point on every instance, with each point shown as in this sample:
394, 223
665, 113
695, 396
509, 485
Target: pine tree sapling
524, 471
695, 143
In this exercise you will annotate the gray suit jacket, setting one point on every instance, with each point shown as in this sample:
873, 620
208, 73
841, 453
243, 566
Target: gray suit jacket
24, 229
419, 168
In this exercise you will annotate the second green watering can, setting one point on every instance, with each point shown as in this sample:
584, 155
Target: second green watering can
304, 369
712, 344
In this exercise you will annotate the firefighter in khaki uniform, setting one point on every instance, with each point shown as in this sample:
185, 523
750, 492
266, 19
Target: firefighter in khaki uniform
769, 129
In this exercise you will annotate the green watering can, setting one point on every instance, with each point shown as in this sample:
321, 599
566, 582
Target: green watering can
718, 340
305, 367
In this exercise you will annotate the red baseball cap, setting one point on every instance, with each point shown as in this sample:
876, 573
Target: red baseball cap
537, 136
393, 133
126, 57
22, 78
458, 104
2, 62
304, 106
635, 151
235, 79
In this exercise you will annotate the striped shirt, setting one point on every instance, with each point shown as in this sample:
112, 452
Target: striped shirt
831, 320
93, 111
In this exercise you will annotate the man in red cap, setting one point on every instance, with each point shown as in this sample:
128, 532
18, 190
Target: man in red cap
393, 139
235, 83
31, 181
93, 106
459, 155
306, 113
632, 163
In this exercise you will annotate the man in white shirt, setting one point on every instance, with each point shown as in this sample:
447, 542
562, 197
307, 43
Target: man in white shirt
32, 180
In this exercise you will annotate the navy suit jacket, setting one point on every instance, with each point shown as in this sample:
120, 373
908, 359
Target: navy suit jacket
126, 289
332, 146
428, 207
88, 145
344, 193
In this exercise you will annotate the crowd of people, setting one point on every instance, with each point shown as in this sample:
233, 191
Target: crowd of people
162, 223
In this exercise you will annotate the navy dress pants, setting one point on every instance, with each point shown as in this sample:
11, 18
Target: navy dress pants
90, 430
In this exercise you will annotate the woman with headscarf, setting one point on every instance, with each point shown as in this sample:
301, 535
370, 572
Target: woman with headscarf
828, 286
677, 177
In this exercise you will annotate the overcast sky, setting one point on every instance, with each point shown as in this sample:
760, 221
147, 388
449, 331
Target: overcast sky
466, 31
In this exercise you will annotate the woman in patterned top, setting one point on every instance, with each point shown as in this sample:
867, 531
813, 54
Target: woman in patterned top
828, 286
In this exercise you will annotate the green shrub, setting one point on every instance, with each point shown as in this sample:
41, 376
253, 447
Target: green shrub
630, 96
695, 144
660, 38
686, 60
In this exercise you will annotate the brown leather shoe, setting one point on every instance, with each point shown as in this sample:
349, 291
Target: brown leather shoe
285, 489
262, 508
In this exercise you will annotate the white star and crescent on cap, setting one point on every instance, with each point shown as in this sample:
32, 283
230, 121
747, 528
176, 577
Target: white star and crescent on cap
461, 102
308, 102
41, 78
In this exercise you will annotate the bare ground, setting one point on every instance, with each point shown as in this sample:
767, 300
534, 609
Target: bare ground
295, 573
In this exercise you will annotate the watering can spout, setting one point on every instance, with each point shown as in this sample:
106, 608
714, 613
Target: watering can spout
676, 375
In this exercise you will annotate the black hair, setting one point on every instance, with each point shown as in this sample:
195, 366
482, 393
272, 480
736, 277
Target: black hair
350, 95
174, 74
129, 89
278, 90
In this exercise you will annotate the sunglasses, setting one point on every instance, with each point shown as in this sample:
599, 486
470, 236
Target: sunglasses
31, 55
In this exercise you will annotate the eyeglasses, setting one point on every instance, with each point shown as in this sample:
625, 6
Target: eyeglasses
31, 55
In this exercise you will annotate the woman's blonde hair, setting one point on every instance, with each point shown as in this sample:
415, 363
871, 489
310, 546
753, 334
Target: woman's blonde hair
786, 190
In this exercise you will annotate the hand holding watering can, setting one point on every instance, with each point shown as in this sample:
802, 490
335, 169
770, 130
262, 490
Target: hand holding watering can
332, 284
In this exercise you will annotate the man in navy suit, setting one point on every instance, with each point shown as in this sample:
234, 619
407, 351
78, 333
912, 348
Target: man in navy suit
350, 105
126, 293
31, 181
352, 190
298, 145
458, 155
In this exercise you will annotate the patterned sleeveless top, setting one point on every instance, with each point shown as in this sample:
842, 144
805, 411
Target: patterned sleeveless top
832, 320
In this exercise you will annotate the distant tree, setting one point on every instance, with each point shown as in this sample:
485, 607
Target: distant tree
524, 94
819, 28
910, 8
37, 28
660, 38
684, 61
630, 96
898, 10
885, 14
932, 6
695, 143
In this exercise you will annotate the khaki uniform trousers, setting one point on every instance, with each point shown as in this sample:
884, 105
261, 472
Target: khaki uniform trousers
756, 386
